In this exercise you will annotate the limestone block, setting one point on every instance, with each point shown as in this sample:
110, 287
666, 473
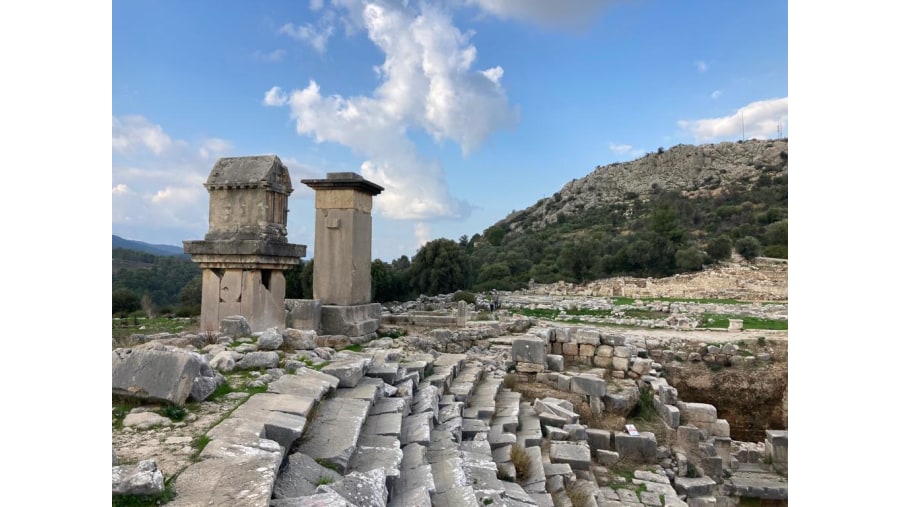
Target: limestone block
529, 350
586, 350
575, 454
668, 395
154, 374
720, 428
614, 340
597, 406
555, 362
587, 336
303, 314
642, 366
348, 371
687, 436
694, 487
145, 478
621, 351
270, 339
588, 384
603, 362
556, 348
300, 476
605, 351
668, 413
565, 334
235, 326
570, 349
598, 439
298, 339
255, 360
548, 334
640, 448
353, 320
698, 413
606, 457
620, 364
776, 447
563, 382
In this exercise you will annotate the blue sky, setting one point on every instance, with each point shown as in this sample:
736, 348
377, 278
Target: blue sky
465, 110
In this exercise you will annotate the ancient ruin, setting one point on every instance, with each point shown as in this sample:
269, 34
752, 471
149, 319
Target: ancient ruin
245, 252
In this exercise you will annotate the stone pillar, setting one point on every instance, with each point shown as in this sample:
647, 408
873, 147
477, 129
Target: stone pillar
342, 276
342, 269
245, 251
462, 315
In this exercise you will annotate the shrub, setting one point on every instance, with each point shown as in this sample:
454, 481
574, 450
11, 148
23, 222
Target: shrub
748, 247
462, 295
521, 460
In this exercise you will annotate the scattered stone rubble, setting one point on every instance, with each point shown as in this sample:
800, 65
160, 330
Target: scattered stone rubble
430, 420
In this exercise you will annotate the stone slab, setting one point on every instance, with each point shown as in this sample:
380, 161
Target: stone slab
334, 431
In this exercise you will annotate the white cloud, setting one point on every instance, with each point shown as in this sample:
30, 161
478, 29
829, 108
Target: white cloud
427, 82
134, 133
273, 56
315, 5
757, 120
158, 181
275, 97
701, 66
316, 36
625, 149
423, 233
576, 14
716, 94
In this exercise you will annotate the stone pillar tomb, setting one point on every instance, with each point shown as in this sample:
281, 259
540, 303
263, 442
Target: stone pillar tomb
245, 252
342, 277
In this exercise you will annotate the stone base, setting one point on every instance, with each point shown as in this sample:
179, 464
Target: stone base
351, 321
303, 314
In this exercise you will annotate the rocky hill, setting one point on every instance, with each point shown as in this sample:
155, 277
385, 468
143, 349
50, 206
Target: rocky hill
707, 170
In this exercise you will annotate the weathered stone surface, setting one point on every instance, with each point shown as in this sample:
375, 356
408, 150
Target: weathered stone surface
575, 454
299, 339
145, 420
529, 349
154, 374
553, 407
640, 448
555, 362
698, 413
348, 371
254, 360
416, 428
598, 439
270, 339
300, 476
145, 478
588, 384
236, 326
363, 489
694, 487
304, 382
334, 431
303, 314
230, 474
204, 386
587, 336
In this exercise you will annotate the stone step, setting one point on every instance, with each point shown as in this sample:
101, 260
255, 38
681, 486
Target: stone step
333, 432
416, 428
529, 433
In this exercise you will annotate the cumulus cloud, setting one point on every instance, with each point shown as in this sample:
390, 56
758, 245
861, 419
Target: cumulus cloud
701, 66
716, 94
757, 120
428, 82
157, 190
576, 14
131, 134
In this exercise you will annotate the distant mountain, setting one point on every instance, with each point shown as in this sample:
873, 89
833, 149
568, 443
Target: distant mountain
140, 246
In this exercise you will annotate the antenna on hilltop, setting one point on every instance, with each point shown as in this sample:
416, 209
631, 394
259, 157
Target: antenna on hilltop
779, 130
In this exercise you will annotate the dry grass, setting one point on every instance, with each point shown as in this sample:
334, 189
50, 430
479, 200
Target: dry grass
521, 460
579, 495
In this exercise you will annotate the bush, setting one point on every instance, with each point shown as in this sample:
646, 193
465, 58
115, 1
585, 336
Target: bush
521, 460
719, 248
689, 259
462, 295
748, 247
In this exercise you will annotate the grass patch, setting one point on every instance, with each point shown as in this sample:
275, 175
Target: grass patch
579, 495
328, 465
199, 443
356, 347
720, 321
174, 412
127, 326
644, 409
321, 481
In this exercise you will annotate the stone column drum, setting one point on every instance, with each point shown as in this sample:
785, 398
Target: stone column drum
245, 252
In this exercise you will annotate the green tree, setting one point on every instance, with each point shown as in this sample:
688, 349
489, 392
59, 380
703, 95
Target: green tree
439, 267
719, 248
192, 293
689, 259
748, 247
125, 301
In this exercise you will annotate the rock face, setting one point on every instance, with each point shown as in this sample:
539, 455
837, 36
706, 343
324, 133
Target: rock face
145, 478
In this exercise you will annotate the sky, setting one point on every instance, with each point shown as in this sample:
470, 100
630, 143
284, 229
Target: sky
463, 110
